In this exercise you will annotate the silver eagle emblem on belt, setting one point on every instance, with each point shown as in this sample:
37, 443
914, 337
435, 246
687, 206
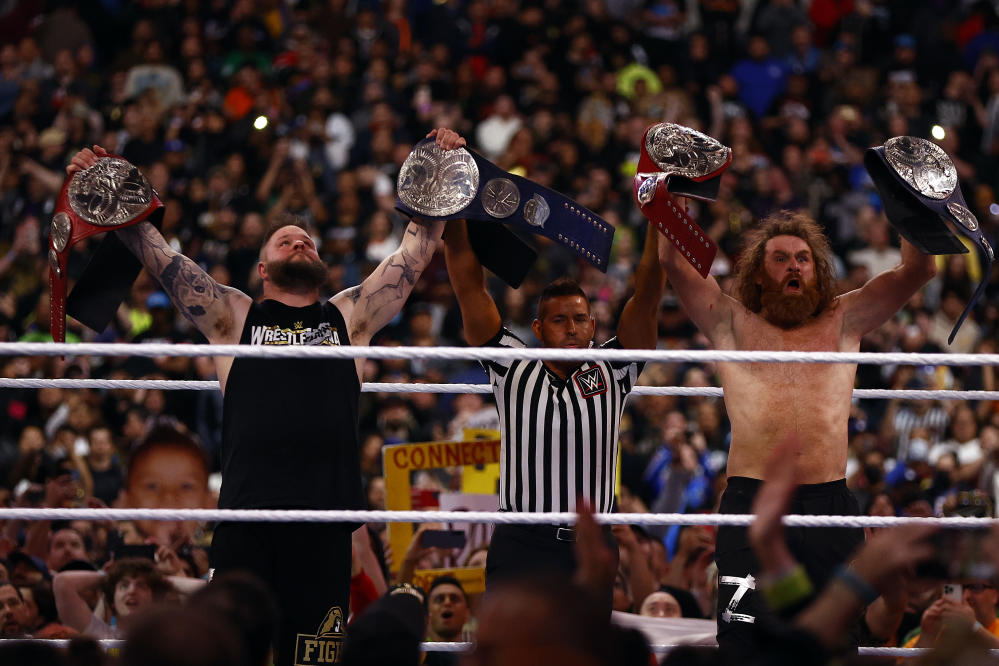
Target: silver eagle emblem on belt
110, 193
923, 165
438, 182
684, 151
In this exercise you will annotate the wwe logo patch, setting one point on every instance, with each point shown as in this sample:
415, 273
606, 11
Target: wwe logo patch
590, 382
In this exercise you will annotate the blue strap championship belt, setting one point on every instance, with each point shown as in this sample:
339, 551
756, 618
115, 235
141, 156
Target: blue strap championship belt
918, 184
437, 184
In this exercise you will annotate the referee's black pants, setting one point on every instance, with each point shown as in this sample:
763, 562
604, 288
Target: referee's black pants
519, 550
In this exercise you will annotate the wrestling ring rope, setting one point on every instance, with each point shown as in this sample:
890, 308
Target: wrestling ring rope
107, 643
487, 354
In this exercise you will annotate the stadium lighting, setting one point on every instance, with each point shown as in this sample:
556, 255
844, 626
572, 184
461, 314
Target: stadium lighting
938, 132
260, 122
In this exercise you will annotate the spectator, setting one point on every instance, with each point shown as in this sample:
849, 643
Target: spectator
660, 604
975, 611
129, 586
11, 612
65, 546
447, 608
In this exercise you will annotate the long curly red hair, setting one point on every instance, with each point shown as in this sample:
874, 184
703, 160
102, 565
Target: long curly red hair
784, 223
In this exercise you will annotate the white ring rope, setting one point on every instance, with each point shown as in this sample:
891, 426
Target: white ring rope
497, 517
395, 387
659, 648
490, 353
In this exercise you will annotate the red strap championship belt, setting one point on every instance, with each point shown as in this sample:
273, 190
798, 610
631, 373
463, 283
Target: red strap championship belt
109, 195
682, 161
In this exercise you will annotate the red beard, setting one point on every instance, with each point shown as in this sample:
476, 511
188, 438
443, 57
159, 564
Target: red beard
787, 310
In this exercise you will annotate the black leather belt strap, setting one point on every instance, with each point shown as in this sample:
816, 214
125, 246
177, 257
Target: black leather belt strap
921, 194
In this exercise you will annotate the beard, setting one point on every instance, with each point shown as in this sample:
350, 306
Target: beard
297, 274
787, 310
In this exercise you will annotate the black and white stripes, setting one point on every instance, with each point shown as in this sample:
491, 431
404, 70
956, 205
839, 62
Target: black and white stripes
560, 437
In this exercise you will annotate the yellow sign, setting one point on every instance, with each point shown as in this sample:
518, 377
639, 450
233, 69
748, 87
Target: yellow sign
472, 579
400, 460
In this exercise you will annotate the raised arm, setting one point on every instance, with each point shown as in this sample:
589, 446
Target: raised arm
211, 307
378, 299
68, 588
479, 316
707, 306
637, 327
878, 300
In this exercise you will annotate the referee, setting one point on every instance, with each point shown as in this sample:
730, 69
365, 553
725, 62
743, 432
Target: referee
559, 421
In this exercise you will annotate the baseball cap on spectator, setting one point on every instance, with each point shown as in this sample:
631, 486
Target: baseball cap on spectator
157, 299
905, 41
18, 558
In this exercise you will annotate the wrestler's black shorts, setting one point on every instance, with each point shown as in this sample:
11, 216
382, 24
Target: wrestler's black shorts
743, 616
307, 566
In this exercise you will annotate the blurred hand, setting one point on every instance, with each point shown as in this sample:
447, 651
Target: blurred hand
85, 159
893, 551
595, 568
168, 562
943, 610
59, 491
766, 534
446, 138
415, 552
625, 536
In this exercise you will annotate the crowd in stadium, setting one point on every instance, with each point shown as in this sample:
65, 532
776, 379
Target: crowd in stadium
238, 111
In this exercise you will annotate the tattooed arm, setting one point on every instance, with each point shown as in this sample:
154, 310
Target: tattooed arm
213, 308
378, 299
367, 307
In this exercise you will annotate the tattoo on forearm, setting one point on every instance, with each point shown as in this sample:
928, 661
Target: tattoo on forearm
384, 291
189, 287
407, 276
192, 291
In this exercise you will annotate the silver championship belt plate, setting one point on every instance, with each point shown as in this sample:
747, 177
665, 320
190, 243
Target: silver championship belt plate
923, 201
443, 184
109, 195
680, 161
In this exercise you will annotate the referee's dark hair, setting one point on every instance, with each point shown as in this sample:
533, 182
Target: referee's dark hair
563, 286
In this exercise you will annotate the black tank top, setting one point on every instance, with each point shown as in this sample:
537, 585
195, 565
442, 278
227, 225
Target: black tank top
289, 426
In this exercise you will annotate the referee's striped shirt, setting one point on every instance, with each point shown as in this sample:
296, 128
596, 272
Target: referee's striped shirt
559, 437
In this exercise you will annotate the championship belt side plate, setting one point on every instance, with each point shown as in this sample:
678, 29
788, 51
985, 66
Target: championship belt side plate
922, 199
109, 195
439, 184
678, 160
